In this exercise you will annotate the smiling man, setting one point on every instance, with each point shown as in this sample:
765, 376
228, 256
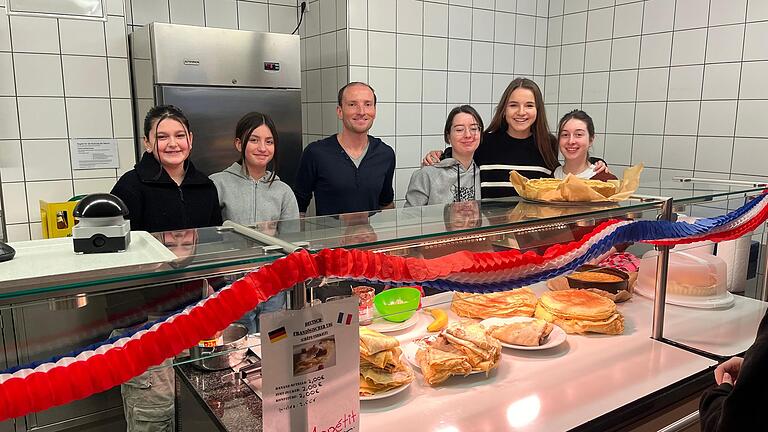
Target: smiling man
350, 171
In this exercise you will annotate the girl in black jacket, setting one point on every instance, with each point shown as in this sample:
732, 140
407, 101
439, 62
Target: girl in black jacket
164, 191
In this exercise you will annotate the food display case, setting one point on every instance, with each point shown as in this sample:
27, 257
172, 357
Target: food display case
650, 373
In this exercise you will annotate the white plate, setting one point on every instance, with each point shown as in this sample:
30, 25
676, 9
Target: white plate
385, 394
708, 302
381, 325
410, 350
555, 338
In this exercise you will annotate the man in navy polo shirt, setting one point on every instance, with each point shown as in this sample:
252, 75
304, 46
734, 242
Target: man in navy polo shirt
350, 171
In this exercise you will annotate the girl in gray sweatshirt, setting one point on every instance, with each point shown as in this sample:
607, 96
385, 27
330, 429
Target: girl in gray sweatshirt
251, 193
456, 178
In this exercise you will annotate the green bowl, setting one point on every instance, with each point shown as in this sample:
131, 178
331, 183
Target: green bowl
397, 304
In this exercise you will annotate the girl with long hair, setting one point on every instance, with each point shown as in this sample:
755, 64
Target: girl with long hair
517, 138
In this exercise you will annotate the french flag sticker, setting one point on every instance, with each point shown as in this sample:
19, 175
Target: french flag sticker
345, 319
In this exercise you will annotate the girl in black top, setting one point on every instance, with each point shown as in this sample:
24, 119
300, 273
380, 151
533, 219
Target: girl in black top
517, 138
164, 191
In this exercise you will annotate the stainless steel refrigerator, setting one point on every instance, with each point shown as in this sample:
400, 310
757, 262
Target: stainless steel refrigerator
215, 76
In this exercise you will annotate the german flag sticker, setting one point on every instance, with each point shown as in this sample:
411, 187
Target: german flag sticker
277, 335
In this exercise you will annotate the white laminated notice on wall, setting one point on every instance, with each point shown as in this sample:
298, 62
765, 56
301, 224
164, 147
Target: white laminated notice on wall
88, 153
311, 368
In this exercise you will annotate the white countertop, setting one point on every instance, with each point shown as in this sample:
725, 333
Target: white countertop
551, 390
724, 332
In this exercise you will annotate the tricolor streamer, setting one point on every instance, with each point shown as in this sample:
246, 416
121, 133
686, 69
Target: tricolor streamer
35, 387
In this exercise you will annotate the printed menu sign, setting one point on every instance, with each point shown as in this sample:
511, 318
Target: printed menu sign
311, 359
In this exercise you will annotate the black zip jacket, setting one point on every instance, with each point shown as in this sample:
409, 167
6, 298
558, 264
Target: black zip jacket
739, 407
156, 203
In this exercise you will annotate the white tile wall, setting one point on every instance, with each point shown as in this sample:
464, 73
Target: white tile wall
31, 112
54, 166
190, 12
85, 76
700, 82
655, 50
82, 37
648, 68
68, 78
428, 56
11, 161
32, 34
658, 16
38, 75
727, 11
725, 43
250, 16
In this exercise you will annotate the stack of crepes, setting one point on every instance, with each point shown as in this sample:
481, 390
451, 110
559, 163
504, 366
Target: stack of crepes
381, 368
462, 348
518, 302
580, 311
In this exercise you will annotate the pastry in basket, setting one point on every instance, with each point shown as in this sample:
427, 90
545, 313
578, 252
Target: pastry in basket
605, 189
543, 184
517, 302
574, 189
462, 348
529, 333
580, 311
381, 366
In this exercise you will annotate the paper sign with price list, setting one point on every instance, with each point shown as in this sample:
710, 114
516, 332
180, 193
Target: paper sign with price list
311, 361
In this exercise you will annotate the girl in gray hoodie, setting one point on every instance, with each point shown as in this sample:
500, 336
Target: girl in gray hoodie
251, 193
456, 178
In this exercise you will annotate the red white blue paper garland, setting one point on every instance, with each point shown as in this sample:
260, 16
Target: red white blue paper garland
36, 387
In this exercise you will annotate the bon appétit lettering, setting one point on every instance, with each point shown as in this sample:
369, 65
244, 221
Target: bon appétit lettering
345, 424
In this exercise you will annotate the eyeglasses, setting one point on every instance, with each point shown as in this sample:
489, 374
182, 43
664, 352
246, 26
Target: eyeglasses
460, 130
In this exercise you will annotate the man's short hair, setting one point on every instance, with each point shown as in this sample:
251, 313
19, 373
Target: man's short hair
341, 90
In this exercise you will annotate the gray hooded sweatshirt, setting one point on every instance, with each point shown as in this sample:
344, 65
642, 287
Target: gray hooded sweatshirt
444, 182
246, 201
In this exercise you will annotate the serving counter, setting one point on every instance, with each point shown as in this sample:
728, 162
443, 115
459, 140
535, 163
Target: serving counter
593, 382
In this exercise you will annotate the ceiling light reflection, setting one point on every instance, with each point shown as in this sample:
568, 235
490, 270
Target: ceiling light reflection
524, 411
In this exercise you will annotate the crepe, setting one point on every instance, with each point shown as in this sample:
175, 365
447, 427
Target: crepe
462, 348
388, 359
474, 340
379, 350
575, 189
381, 365
529, 333
374, 380
518, 302
580, 311
438, 365
372, 342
